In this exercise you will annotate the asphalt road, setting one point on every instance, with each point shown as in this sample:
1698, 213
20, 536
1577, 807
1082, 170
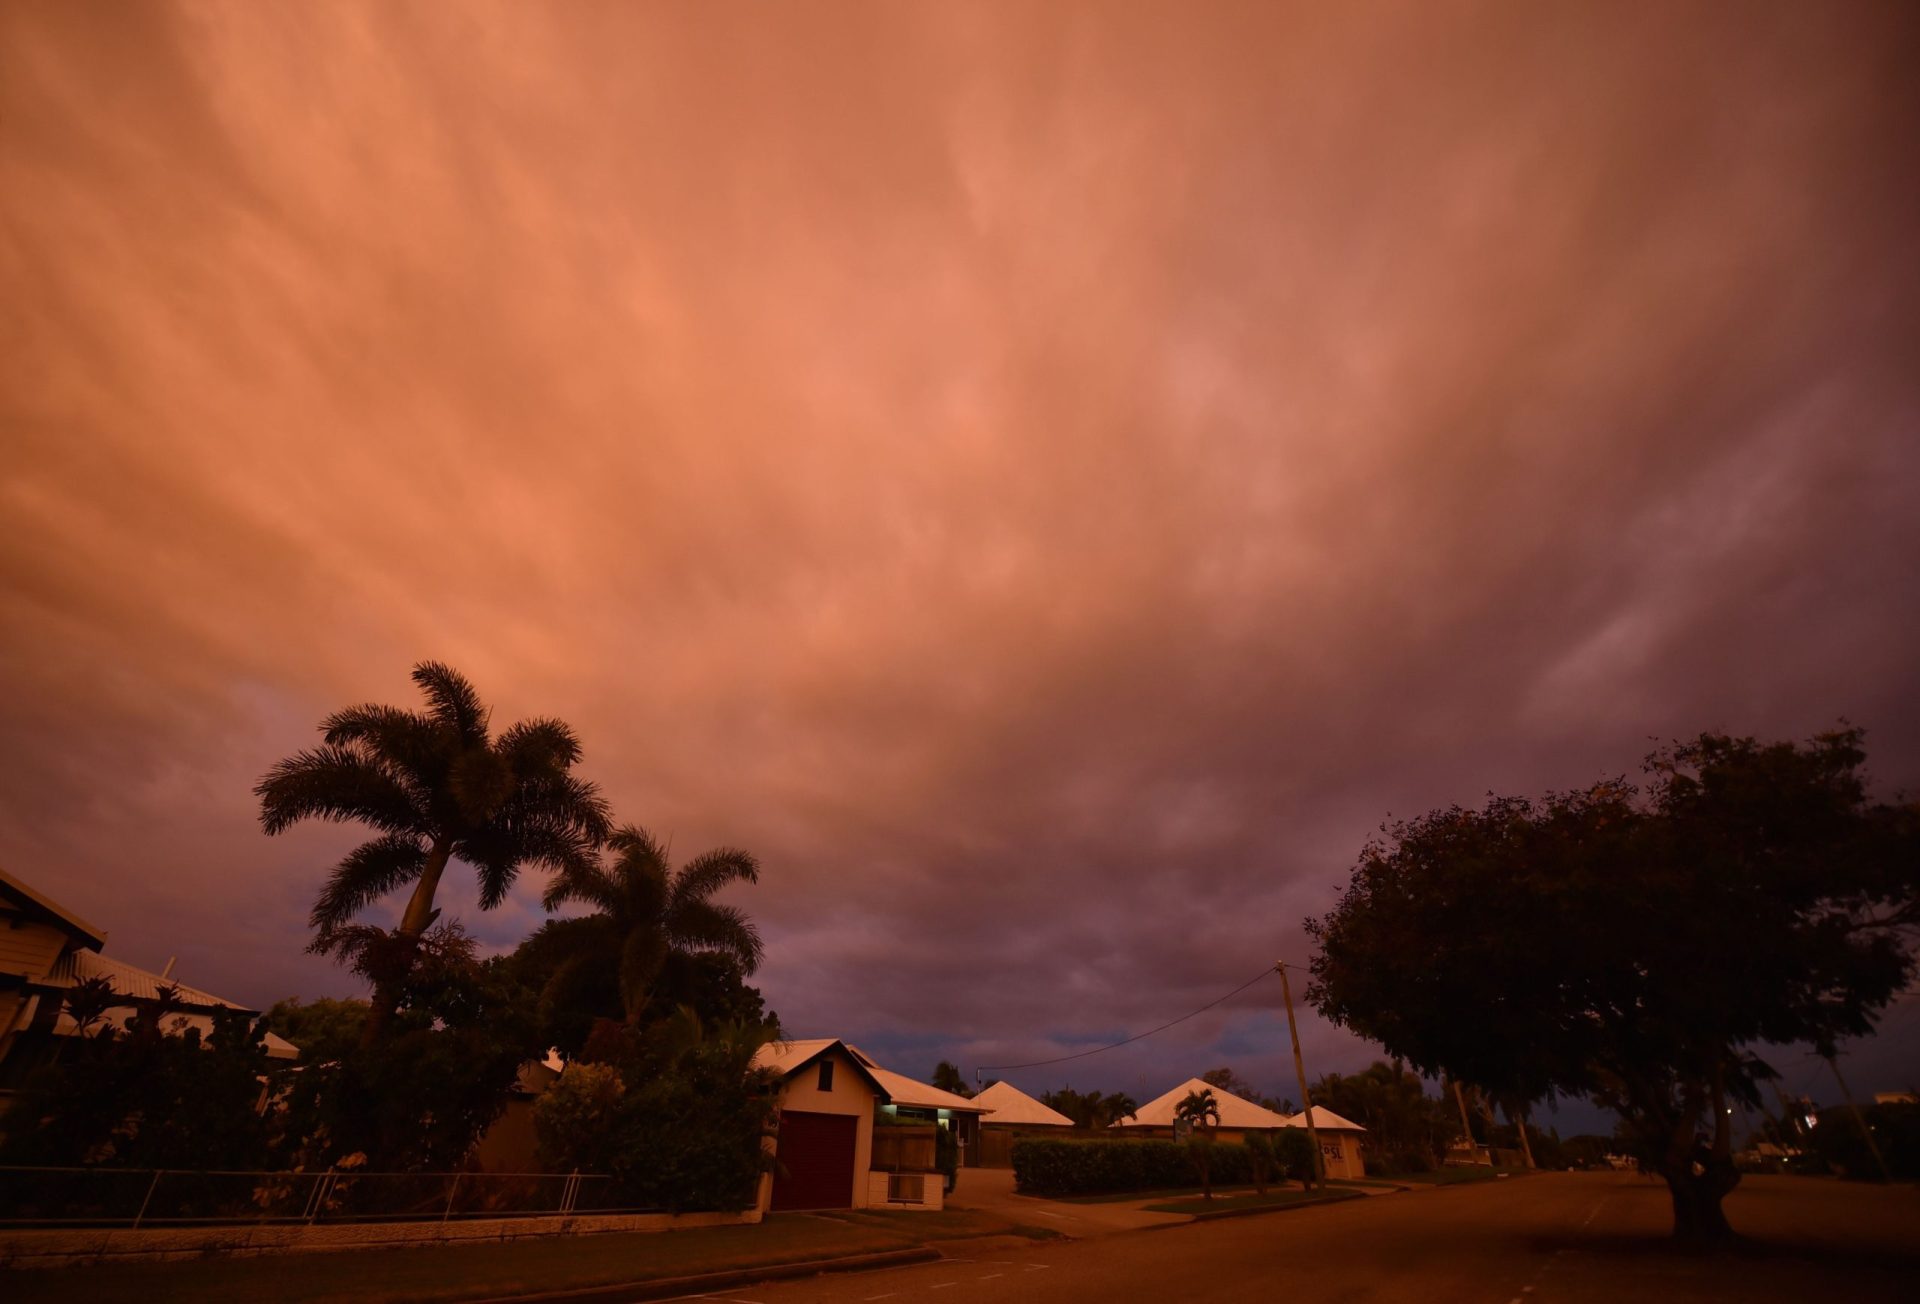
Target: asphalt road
1576, 1237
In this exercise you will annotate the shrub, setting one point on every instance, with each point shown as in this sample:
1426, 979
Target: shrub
1293, 1153
571, 1121
1260, 1159
1046, 1166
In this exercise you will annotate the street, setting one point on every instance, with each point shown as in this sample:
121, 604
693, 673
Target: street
1577, 1237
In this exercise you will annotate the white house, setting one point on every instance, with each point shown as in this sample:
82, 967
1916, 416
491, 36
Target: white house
832, 1098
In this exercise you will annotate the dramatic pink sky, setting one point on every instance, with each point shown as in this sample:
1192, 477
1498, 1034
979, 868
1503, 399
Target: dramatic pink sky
1047, 479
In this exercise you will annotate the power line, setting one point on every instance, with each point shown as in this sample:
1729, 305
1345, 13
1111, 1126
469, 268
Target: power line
1141, 1036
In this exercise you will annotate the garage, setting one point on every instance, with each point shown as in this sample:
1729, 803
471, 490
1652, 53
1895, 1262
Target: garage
816, 1161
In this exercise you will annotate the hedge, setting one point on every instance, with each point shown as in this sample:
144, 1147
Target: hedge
1046, 1166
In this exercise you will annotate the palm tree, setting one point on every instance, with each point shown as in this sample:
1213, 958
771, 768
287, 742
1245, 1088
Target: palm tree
645, 911
436, 787
1198, 1109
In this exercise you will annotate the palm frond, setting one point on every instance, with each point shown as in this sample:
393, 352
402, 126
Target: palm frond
335, 783
368, 872
706, 874
633, 844
704, 926
454, 700
539, 744
587, 883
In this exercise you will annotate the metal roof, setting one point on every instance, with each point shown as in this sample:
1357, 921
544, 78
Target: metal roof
914, 1094
129, 980
1012, 1105
1235, 1111
789, 1057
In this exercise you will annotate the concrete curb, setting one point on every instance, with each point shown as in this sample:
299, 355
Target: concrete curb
666, 1287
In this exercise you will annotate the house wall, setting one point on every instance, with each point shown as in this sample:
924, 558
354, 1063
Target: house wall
29, 949
1341, 1151
850, 1095
933, 1189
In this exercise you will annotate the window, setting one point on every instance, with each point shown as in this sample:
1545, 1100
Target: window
826, 1075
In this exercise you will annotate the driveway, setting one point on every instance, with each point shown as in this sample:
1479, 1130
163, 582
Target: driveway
991, 1190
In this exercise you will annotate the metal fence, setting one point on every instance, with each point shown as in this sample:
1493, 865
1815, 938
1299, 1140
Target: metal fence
149, 1197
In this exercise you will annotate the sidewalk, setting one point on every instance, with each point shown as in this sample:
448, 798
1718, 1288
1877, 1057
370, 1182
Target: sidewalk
613, 1265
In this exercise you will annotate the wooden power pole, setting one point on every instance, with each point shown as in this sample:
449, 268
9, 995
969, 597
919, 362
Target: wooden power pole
1866, 1133
1300, 1072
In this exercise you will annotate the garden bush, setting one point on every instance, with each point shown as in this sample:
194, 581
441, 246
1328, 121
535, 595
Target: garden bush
1045, 1166
1293, 1153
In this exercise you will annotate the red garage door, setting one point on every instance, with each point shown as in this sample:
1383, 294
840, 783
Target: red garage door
816, 1161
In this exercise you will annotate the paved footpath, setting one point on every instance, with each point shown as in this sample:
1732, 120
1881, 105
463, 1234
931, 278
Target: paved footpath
1577, 1238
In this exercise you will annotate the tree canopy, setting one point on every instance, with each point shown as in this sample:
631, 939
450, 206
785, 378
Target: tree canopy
434, 786
1636, 944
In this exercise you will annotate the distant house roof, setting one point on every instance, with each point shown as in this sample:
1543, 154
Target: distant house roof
1012, 1105
788, 1057
1325, 1120
137, 984
130, 980
914, 1094
1235, 1112
30, 902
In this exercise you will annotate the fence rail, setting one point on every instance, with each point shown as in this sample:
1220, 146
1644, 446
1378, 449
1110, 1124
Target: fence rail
156, 1197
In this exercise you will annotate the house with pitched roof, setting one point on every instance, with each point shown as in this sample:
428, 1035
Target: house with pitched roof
1015, 1114
1339, 1138
1339, 1142
1238, 1115
46, 950
854, 1135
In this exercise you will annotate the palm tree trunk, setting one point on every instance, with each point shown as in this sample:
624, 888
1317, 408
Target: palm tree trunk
418, 918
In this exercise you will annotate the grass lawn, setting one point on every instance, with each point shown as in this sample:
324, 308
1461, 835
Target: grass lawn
481, 1271
1250, 1200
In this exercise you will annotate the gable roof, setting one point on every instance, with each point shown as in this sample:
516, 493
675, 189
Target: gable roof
1012, 1105
914, 1094
1235, 1112
1325, 1120
788, 1057
30, 902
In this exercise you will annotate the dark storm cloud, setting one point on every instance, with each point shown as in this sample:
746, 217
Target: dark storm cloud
1047, 482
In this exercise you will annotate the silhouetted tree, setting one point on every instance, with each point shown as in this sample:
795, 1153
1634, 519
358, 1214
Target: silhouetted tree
1634, 946
947, 1077
646, 912
1199, 1110
437, 787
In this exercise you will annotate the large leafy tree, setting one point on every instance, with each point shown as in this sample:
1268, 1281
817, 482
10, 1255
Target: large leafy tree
1637, 945
1407, 1130
436, 786
645, 915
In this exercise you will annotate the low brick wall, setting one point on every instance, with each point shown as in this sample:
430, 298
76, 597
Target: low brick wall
68, 1246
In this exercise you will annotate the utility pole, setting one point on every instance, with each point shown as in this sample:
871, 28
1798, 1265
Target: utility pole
1526, 1148
1300, 1071
1466, 1127
1866, 1133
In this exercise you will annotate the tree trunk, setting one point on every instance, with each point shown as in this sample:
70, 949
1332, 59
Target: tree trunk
1698, 1218
419, 917
1700, 1173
